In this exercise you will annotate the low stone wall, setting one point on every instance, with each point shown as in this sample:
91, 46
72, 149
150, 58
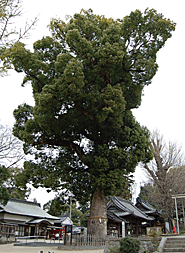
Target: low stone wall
85, 247
148, 244
112, 242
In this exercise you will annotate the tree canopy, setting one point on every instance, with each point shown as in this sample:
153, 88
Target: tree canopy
86, 79
11, 186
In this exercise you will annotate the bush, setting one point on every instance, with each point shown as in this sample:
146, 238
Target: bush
114, 250
129, 244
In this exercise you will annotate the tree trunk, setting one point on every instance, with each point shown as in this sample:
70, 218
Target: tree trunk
97, 223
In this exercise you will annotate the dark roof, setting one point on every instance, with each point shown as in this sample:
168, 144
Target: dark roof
123, 208
113, 216
146, 207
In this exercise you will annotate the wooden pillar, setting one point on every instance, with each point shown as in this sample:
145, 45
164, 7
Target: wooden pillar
137, 228
131, 226
119, 229
126, 229
35, 230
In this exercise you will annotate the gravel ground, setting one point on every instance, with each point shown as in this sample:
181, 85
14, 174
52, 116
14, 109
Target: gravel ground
9, 248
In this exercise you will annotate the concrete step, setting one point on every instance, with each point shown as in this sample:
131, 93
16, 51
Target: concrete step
174, 250
176, 241
174, 245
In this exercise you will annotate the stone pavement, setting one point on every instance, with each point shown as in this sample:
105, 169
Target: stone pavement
9, 248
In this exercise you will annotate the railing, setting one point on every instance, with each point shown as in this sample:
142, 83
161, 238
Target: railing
88, 240
26, 238
37, 239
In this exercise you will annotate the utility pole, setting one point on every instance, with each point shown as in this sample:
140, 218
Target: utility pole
70, 199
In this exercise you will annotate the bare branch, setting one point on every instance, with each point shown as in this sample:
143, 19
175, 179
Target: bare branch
166, 173
11, 13
10, 147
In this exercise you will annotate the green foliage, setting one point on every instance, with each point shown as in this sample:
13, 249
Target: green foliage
76, 216
114, 250
125, 192
85, 209
11, 186
15, 186
4, 174
60, 206
84, 219
57, 206
129, 244
86, 79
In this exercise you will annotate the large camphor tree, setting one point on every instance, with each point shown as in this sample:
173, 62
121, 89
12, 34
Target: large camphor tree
86, 79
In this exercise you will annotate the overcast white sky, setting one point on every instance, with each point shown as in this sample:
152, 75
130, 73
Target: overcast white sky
163, 101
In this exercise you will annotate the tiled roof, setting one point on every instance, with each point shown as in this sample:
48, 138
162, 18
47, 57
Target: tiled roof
149, 209
26, 208
64, 220
37, 221
123, 208
113, 216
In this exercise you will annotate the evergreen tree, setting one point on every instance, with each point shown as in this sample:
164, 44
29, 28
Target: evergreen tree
86, 79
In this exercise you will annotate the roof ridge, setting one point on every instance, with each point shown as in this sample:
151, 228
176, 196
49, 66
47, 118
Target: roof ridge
119, 201
140, 200
131, 203
24, 201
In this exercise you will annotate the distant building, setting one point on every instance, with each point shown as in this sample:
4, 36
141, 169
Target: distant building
63, 221
24, 218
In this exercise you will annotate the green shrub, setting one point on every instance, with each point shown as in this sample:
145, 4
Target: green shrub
129, 245
114, 250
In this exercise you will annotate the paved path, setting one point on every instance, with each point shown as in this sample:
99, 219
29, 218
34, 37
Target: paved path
9, 248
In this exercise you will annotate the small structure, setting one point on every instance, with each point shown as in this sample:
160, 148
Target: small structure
124, 218
149, 210
60, 227
24, 218
63, 221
